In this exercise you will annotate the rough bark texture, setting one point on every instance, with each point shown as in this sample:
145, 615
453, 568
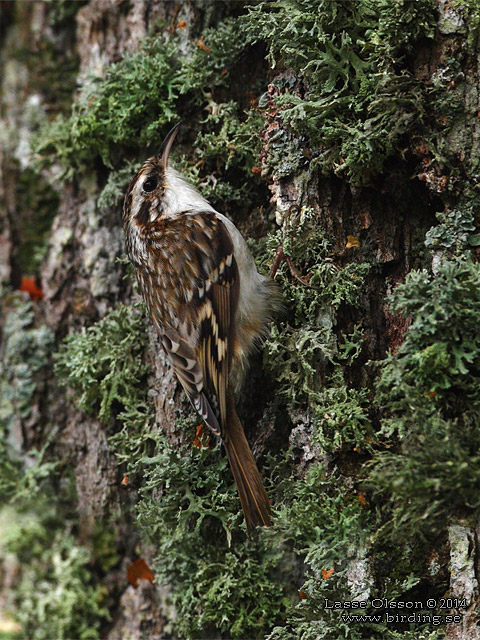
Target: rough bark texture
46, 57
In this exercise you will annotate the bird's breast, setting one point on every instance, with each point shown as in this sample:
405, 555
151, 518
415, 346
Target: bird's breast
166, 274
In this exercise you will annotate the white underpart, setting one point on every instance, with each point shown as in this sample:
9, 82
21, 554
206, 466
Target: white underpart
181, 196
252, 299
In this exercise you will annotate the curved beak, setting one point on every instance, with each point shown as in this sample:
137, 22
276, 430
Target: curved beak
167, 144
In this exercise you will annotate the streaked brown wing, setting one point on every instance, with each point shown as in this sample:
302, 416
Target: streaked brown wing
189, 372
216, 315
201, 346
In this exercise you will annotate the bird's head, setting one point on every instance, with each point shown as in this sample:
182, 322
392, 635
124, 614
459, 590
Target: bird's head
147, 193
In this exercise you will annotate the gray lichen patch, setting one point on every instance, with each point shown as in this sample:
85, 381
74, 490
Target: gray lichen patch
26, 352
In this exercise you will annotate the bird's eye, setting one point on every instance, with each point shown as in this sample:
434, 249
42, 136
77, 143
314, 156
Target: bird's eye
150, 184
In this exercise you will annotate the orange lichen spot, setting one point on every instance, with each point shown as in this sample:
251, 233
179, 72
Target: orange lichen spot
352, 241
327, 573
201, 45
139, 570
200, 441
362, 499
30, 286
182, 24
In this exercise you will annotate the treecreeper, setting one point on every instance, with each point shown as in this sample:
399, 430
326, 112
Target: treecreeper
207, 301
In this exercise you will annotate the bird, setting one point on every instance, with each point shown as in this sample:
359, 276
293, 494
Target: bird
207, 301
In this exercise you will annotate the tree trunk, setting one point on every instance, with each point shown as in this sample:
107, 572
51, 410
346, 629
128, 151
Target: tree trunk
348, 134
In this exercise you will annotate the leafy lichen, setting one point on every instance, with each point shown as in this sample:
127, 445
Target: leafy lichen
37, 206
429, 391
353, 98
26, 352
55, 596
306, 353
103, 363
359, 97
228, 587
128, 107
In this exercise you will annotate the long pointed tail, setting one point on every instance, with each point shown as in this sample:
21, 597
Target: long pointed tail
253, 497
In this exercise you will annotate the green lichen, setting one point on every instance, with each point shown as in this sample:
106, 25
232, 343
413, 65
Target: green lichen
306, 353
57, 593
471, 14
456, 231
56, 596
37, 207
331, 528
228, 587
226, 150
127, 108
130, 108
104, 547
103, 362
25, 357
360, 98
23, 480
341, 416
429, 390
26, 351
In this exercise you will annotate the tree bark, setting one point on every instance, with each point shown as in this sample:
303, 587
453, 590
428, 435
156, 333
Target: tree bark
82, 280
